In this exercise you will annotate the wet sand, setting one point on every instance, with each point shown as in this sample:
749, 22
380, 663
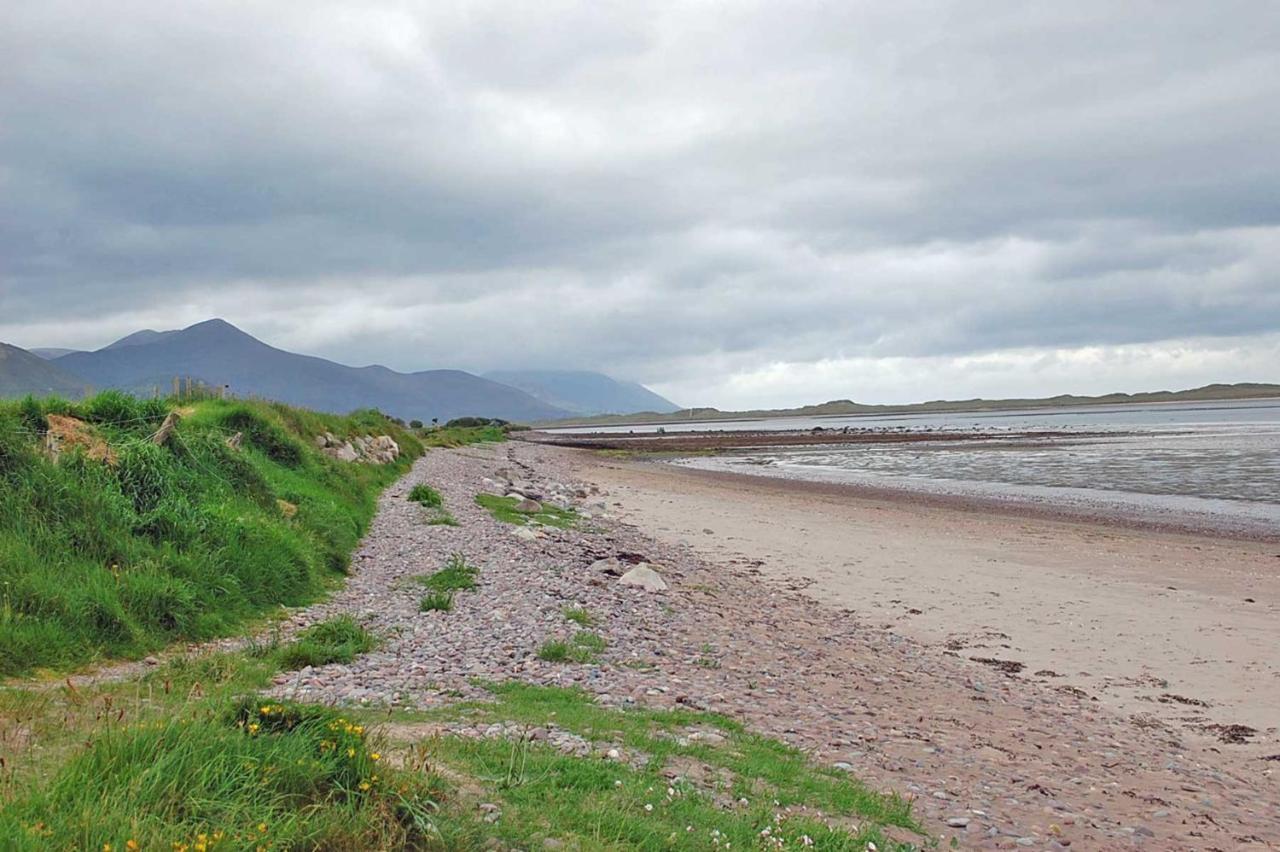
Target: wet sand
1180, 627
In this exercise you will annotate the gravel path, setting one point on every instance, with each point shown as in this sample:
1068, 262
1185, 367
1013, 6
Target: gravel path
994, 760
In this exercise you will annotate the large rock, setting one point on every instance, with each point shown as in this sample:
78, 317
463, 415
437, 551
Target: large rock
644, 577
344, 452
611, 566
528, 507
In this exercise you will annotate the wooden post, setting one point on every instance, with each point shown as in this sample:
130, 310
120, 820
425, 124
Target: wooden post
166, 429
177, 387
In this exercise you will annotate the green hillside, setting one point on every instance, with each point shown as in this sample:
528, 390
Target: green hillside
115, 544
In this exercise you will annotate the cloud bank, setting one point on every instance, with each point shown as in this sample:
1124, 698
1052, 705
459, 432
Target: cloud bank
740, 205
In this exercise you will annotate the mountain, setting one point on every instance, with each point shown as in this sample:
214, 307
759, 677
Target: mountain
49, 353
138, 338
583, 392
218, 353
22, 373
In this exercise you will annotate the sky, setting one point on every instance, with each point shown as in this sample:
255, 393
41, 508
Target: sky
739, 204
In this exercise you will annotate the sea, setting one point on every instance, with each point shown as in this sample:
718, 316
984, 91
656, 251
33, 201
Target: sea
1199, 464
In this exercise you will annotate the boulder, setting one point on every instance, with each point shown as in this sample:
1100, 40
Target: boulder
528, 507
344, 452
644, 577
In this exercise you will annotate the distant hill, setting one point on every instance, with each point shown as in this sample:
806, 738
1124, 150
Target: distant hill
49, 353
584, 392
838, 407
218, 353
22, 373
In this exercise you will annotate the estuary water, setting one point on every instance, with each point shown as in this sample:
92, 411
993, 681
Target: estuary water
1203, 464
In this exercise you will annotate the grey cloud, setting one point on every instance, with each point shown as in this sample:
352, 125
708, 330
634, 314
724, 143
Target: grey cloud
654, 188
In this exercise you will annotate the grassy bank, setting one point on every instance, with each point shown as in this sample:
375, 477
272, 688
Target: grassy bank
120, 546
185, 757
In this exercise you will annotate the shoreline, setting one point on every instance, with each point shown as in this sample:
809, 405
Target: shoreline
1152, 620
1133, 518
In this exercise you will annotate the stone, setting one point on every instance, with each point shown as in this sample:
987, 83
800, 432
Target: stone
610, 566
528, 507
344, 452
958, 822
644, 577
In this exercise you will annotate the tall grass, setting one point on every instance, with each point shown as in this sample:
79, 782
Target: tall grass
180, 541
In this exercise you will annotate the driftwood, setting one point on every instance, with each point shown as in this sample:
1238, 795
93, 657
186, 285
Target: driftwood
166, 429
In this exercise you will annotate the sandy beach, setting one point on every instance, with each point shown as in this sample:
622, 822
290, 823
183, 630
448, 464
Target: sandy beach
1182, 628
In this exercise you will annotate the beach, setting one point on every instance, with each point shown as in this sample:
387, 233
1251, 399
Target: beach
1174, 626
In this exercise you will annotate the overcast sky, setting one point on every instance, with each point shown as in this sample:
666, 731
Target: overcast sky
738, 204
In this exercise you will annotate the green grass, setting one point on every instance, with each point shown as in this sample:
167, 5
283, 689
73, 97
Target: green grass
171, 755
504, 509
443, 519
584, 647
461, 436
337, 640
436, 602
179, 542
248, 775
455, 576
426, 496
579, 615
598, 803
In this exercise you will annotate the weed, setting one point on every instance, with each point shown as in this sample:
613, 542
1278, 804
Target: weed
443, 519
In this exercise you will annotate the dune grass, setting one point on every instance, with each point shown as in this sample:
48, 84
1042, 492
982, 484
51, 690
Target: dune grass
180, 541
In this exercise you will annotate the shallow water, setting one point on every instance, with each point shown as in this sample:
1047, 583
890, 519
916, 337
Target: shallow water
1216, 464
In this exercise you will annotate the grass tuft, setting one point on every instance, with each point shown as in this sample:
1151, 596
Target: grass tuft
426, 496
579, 615
436, 602
455, 576
338, 640
584, 647
504, 509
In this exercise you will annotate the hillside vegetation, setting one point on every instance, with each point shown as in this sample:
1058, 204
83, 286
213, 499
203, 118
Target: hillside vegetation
115, 545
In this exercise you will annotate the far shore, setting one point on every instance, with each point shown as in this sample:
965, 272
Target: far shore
1162, 623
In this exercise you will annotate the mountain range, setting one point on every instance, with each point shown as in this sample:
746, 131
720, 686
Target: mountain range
217, 353
583, 392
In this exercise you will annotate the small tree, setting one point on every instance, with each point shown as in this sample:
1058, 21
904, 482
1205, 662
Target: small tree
415, 424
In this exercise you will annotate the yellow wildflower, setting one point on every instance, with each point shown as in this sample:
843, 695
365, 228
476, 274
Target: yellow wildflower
375, 756
364, 785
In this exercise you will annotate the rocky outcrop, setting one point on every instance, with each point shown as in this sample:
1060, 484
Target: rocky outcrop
381, 449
